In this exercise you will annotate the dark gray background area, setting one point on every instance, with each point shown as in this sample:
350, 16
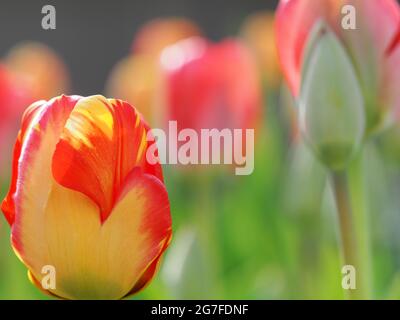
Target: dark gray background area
92, 35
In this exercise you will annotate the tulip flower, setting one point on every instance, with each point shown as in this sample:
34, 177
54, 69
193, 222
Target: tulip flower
134, 79
6, 95
258, 31
214, 87
5, 92
372, 48
13, 98
85, 200
160, 33
40, 68
211, 85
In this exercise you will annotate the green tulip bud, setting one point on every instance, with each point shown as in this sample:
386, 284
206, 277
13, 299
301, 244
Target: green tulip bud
332, 118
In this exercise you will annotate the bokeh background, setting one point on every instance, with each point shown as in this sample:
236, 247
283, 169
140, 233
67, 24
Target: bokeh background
270, 235
101, 32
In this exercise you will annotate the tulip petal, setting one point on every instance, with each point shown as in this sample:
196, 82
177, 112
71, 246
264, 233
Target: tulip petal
8, 205
394, 44
102, 142
391, 79
377, 23
392, 76
294, 21
150, 271
32, 174
40, 130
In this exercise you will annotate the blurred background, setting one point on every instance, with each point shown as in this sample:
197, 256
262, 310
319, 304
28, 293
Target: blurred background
101, 32
269, 235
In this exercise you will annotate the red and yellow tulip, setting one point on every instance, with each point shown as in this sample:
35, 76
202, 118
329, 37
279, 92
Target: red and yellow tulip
84, 200
371, 46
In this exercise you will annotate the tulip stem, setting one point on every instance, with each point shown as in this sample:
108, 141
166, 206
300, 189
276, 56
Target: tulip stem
361, 217
206, 227
347, 231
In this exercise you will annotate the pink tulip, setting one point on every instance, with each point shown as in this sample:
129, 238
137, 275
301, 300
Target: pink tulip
372, 47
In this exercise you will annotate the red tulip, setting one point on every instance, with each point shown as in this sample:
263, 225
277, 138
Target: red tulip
84, 199
211, 85
213, 88
6, 96
13, 99
371, 46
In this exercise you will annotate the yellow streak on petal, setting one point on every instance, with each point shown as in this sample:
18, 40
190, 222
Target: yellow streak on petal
80, 137
137, 121
142, 147
95, 109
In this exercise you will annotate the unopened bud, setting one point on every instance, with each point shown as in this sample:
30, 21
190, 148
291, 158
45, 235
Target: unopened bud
332, 116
